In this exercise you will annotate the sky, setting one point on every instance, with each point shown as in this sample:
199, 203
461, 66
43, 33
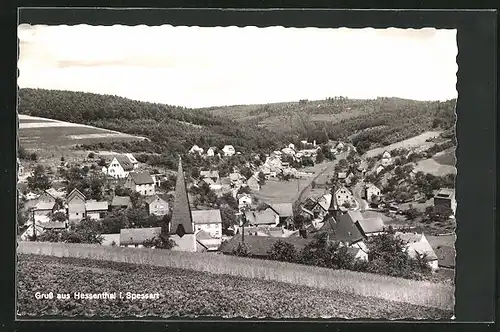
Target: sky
200, 67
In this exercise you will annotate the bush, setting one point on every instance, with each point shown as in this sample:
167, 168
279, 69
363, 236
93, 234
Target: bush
283, 251
241, 250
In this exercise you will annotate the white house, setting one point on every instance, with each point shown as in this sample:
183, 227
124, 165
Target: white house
417, 246
209, 221
141, 182
340, 146
386, 158
253, 183
196, 150
267, 217
43, 211
291, 146
370, 191
343, 196
211, 151
135, 237
244, 200
379, 169
119, 167
96, 210
156, 205
229, 150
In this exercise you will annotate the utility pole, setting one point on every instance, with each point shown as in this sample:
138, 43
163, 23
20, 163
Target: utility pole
33, 223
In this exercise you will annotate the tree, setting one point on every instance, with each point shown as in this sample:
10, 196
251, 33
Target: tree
113, 222
241, 250
39, 181
59, 217
320, 157
195, 172
91, 155
86, 231
228, 216
283, 251
412, 214
262, 179
246, 172
161, 242
102, 162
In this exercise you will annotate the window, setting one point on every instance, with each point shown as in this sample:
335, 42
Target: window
77, 213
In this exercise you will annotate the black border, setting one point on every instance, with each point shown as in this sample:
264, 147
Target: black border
476, 131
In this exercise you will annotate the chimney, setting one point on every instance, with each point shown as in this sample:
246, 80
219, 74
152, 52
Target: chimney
314, 143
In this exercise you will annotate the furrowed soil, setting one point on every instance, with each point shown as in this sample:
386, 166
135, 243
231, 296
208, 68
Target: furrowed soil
188, 294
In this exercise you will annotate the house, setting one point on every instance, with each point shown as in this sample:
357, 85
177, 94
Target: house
181, 227
76, 205
253, 183
359, 250
96, 210
38, 229
342, 175
291, 146
196, 150
56, 193
288, 151
46, 197
132, 159
228, 150
284, 210
370, 226
340, 146
210, 174
141, 182
267, 217
208, 228
317, 208
344, 197
155, 205
341, 228
121, 202
244, 200
379, 169
349, 179
417, 246
43, 211
445, 198
119, 167
236, 178
135, 237
443, 246
259, 246
211, 151
371, 191
386, 158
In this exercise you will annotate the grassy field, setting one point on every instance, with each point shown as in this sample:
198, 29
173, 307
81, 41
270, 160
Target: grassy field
42, 134
446, 157
433, 167
187, 294
424, 293
417, 141
275, 191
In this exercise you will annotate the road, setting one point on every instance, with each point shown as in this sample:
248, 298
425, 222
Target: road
357, 192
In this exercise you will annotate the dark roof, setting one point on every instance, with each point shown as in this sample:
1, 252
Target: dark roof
310, 204
283, 209
260, 245
151, 199
371, 225
124, 162
138, 235
343, 229
182, 221
120, 201
141, 178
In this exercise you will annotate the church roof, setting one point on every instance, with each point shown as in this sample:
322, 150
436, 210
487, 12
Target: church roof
182, 222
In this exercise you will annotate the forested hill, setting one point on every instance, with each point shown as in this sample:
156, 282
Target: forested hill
366, 123
170, 128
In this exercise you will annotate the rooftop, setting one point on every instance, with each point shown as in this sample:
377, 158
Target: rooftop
96, 206
371, 225
141, 178
283, 209
132, 236
206, 217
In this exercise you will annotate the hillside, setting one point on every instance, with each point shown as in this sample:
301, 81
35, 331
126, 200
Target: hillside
367, 123
185, 293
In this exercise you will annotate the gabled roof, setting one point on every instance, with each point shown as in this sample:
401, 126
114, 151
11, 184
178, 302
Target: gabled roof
131, 158
260, 245
211, 181
408, 238
181, 222
131, 236
213, 148
125, 162
310, 203
446, 193
264, 217
422, 248
341, 229
96, 206
151, 199
342, 188
283, 209
120, 201
75, 193
228, 148
54, 225
371, 225
141, 178
206, 217
325, 201
235, 176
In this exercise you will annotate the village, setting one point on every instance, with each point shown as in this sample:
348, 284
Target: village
351, 199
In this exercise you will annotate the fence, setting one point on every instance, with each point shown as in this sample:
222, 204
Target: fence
364, 284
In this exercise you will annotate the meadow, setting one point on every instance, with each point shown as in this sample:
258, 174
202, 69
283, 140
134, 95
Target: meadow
187, 294
423, 293
275, 191
413, 142
433, 167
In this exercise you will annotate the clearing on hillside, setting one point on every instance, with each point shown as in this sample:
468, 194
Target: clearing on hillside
433, 167
417, 141
41, 134
187, 294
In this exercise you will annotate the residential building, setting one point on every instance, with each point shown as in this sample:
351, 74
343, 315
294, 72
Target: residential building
135, 237
370, 226
228, 150
208, 225
211, 151
340, 146
285, 212
341, 228
96, 210
344, 196
445, 198
132, 159
244, 200
379, 169
156, 205
342, 175
237, 179
196, 150
46, 197
214, 175
371, 191
288, 151
266, 216
181, 227
141, 182
43, 211
386, 158
417, 246
119, 167
253, 183
76, 205
121, 202
111, 239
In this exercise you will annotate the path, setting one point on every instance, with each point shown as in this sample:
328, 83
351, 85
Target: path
357, 192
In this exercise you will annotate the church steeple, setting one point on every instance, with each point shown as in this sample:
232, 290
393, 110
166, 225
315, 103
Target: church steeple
334, 209
181, 222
